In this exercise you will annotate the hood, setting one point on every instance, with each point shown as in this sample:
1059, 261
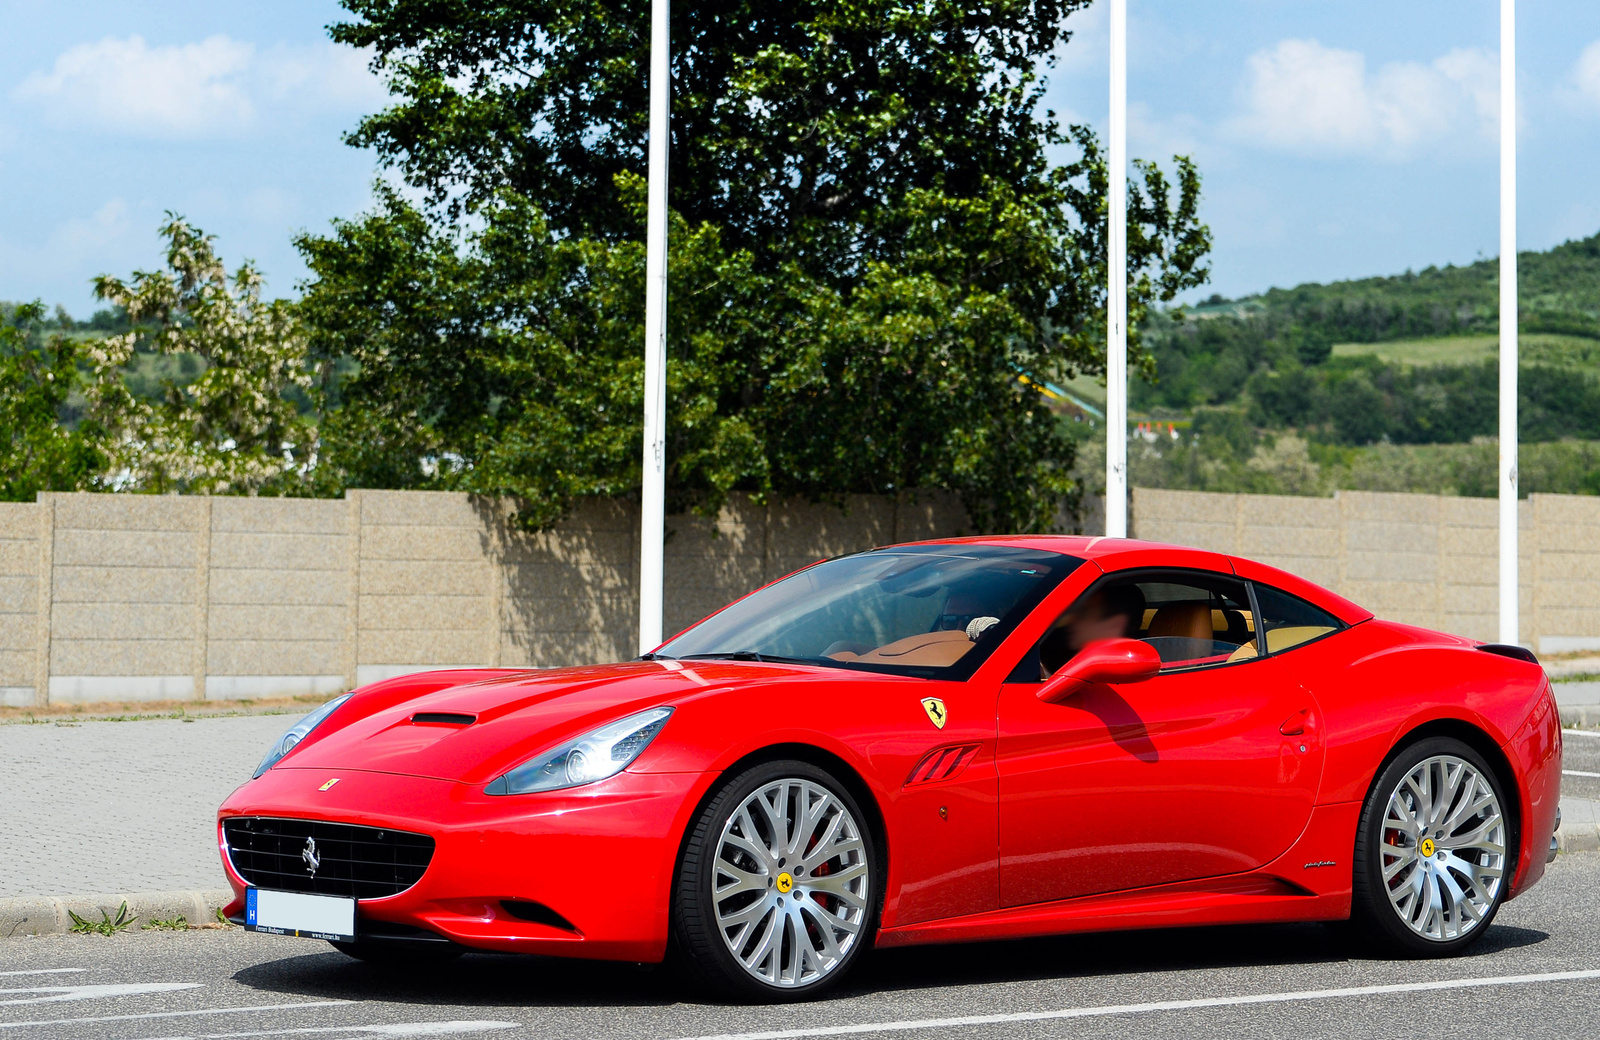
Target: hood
517, 715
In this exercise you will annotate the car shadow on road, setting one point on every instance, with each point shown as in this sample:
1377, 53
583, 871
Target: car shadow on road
1138, 953
494, 980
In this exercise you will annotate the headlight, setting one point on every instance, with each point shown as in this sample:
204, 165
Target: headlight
594, 756
297, 733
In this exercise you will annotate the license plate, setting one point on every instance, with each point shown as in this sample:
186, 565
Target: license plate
300, 914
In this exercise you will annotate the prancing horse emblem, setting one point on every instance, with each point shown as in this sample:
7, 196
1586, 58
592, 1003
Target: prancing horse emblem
310, 857
935, 709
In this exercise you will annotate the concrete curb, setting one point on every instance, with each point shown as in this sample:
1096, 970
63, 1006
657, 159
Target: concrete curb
1580, 826
22, 916
1581, 716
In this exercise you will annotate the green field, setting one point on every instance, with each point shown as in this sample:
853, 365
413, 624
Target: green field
1535, 348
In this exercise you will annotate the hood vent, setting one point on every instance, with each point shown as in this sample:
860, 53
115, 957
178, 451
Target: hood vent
443, 718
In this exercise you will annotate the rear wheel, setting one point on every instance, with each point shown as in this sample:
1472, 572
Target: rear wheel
1433, 852
778, 890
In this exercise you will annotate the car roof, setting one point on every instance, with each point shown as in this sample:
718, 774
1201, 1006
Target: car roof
1114, 554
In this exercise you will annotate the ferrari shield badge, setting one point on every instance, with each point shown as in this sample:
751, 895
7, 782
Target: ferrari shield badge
935, 709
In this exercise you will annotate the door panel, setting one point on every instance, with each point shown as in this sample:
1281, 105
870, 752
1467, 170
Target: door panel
1184, 776
943, 820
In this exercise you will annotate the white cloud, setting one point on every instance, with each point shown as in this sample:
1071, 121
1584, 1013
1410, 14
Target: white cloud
218, 86
1587, 73
1302, 96
79, 235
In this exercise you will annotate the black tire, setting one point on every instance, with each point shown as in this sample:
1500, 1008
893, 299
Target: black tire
1377, 918
402, 954
704, 951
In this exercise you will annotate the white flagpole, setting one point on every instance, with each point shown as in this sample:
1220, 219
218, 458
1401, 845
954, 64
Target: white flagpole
1117, 282
1509, 591
652, 512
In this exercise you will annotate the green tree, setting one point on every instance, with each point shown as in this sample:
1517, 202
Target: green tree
869, 244
235, 429
38, 452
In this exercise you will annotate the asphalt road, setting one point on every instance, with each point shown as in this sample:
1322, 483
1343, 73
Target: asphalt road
1536, 973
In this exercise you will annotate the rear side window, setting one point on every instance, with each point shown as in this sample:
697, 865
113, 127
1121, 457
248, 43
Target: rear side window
1289, 620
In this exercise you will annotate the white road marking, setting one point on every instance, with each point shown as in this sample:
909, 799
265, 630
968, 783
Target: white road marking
177, 1014
1579, 772
1582, 732
56, 994
971, 1021
41, 971
382, 1029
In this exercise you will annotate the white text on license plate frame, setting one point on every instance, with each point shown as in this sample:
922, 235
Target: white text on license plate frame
300, 914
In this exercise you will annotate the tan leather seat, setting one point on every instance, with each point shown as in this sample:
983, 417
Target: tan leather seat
1183, 620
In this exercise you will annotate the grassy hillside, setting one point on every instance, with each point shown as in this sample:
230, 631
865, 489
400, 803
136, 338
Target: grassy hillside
1532, 348
1378, 383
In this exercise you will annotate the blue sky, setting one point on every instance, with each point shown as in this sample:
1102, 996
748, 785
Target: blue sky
1336, 139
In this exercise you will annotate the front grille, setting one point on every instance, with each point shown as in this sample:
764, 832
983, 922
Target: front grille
364, 862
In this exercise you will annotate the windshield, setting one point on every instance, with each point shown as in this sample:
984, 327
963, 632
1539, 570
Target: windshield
930, 610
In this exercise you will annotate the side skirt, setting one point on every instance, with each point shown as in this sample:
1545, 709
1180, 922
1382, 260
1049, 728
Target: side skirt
1309, 882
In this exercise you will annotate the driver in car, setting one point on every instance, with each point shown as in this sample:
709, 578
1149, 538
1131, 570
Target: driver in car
1116, 612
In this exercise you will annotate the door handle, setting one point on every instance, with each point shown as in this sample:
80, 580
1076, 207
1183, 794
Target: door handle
1295, 725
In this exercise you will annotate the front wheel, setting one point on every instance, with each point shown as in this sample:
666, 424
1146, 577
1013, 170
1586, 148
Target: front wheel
777, 893
1433, 850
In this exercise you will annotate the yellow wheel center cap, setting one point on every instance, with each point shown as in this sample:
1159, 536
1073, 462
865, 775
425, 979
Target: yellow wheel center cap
1426, 848
785, 882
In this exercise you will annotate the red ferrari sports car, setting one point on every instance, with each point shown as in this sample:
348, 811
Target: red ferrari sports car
956, 740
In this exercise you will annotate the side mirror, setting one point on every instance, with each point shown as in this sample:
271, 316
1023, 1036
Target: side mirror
1105, 661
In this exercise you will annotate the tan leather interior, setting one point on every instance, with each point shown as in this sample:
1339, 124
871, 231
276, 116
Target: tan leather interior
1284, 638
1219, 620
1184, 620
926, 649
1244, 653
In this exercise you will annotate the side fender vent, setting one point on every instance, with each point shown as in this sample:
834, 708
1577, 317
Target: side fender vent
943, 763
1516, 653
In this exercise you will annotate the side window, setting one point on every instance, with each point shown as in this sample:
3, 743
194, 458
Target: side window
1289, 620
1192, 619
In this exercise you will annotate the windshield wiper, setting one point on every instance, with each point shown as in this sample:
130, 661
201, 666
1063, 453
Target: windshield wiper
751, 655
655, 657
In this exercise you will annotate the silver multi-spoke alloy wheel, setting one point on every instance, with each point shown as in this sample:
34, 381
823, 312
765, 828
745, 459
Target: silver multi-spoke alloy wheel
791, 883
1443, 848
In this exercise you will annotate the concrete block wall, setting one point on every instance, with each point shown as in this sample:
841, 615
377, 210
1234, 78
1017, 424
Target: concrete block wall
1429, 560
1565, 597
126, 597
107, 598
110, 598
21, 528
279, 592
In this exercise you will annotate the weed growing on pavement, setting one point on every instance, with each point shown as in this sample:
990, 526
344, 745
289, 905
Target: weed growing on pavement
107, 925
168, 924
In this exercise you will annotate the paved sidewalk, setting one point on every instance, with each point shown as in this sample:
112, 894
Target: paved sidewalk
121, 806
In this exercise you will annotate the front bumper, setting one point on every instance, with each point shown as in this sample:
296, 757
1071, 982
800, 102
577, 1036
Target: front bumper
602, 856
